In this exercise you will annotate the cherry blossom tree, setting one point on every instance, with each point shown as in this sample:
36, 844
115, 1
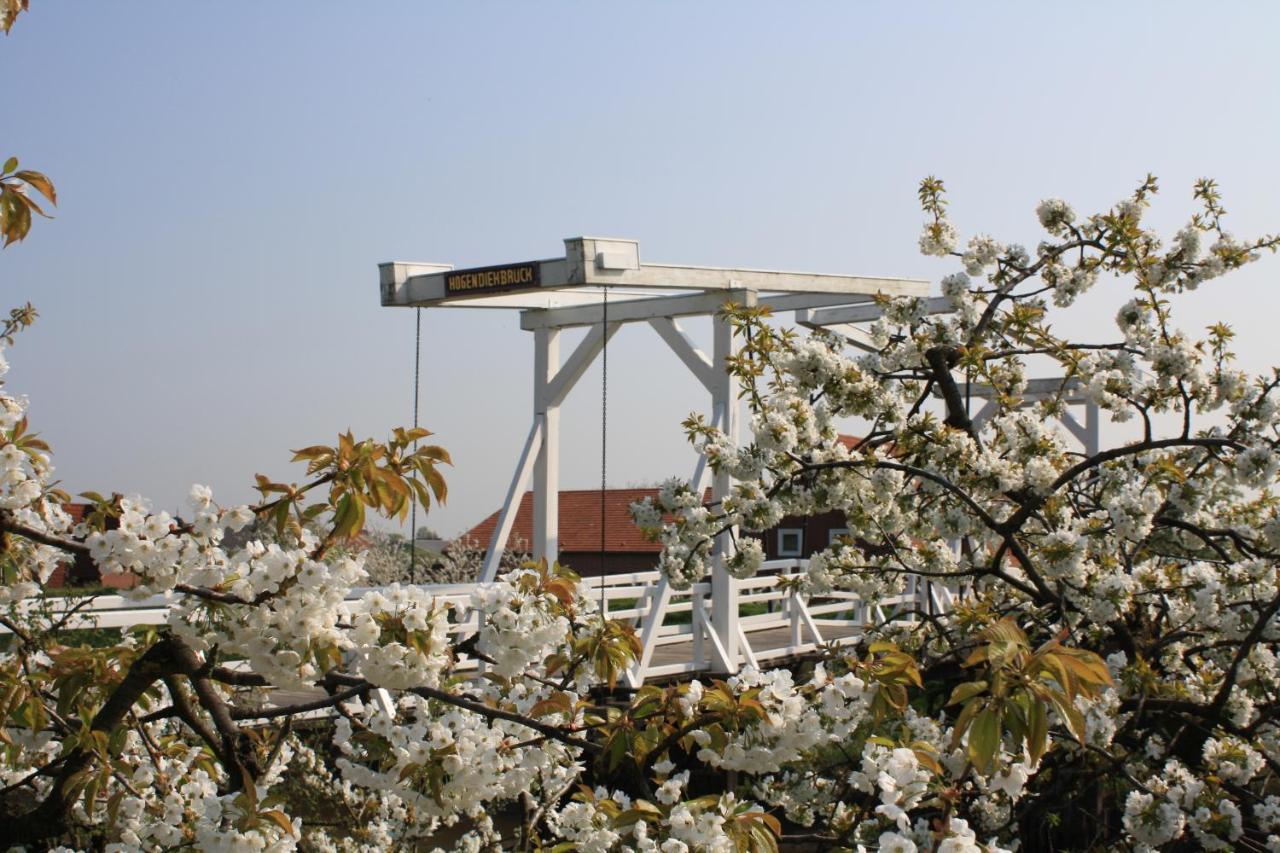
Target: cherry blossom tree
1107, 679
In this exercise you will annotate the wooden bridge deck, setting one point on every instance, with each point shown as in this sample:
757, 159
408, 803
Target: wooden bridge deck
669, 654
762, 639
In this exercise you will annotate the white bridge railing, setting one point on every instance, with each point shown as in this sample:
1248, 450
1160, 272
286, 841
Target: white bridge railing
774, 620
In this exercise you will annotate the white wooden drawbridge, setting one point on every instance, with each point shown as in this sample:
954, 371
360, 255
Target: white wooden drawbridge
602, 284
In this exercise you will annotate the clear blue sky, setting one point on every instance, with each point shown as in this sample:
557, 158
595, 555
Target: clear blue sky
230, 175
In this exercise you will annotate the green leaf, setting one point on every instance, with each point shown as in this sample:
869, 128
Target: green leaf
91, 795
984, 738
1056, 669
113, 807
1037, 729
1006, 631
617, 750
1067, 709
10, 165
966, 691
1015, 719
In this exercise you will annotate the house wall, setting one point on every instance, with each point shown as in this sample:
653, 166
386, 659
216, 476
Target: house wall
587, 563
815, 533
83, 572
815, 530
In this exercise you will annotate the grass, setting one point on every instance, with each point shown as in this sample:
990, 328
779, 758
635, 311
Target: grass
79, 591
97, 638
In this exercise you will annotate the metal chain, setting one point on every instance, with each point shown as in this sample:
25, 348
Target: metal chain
413, 512
604, 430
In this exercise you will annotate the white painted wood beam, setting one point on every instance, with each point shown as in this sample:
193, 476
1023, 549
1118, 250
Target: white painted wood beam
546, 471
870, 312
744, 648
803, 301
515, 492
615, 263
549, 300
988, 409
701, 469
724, 588
649, 633
635, 310
630, 311
730, 278
394, 278
384, 703
408, 285
718, 650
1092, 440
809, 623
578, 362
855, 335
1070, 390
697, 623
688, 352
1074, 427
660, 596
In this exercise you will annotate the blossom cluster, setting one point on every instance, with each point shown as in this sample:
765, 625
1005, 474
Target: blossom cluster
1115, 627
1159, 555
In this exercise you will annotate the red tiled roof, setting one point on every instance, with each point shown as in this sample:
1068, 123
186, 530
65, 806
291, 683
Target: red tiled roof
580, 522
580, 519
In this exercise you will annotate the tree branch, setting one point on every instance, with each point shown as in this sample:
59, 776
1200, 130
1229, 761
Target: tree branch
300, 707
48, 819
483, 710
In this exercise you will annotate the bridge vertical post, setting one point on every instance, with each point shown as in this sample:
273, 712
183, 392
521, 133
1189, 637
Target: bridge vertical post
724, 588
546, 471
1091, 428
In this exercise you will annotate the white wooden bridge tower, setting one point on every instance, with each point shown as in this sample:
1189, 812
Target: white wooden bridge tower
605, 278
602, 284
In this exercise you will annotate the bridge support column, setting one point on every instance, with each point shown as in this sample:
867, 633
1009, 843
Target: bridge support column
724, 588
546, 471
1091, 430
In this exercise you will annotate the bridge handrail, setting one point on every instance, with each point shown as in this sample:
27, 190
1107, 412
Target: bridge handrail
788, 607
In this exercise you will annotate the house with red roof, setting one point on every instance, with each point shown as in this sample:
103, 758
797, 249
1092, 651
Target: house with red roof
82, 571
625, 548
